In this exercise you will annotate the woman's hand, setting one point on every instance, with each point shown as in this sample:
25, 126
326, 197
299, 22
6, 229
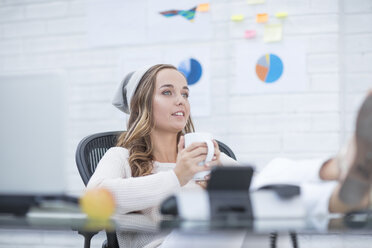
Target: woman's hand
215, 162
204, 183
188, 160
216, 157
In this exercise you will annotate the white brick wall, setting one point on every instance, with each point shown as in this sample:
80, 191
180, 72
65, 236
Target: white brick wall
355, 73
50, 35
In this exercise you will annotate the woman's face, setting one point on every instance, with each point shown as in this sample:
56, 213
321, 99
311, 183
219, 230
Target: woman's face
170, 103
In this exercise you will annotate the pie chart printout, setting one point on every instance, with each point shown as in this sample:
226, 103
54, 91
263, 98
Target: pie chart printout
192, 70
269, 68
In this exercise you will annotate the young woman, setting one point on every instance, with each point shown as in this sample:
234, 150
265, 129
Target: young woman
150, 162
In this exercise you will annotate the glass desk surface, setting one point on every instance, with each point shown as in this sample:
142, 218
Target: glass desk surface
73, 219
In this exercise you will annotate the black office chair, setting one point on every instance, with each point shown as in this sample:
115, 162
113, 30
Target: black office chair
89, 152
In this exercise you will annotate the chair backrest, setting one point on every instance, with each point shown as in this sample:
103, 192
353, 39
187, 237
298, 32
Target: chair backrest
92, 148
90, 151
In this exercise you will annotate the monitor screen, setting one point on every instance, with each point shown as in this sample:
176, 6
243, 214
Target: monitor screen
32, 134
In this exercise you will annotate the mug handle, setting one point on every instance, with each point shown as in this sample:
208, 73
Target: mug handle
210, 150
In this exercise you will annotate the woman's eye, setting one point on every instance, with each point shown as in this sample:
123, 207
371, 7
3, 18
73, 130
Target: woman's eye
185, 95
167, 92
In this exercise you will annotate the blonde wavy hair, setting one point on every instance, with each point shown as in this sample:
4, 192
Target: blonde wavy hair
141, 122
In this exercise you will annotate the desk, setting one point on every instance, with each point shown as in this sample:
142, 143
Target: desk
254, 233
42, 219
54, 218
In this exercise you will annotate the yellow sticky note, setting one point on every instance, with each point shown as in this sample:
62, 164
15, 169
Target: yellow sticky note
255, 1
204, 7
262, 18
273, 32
237, 18
281, 15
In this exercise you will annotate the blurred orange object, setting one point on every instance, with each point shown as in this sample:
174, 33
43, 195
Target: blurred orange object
204, 7
262, 18
98, 203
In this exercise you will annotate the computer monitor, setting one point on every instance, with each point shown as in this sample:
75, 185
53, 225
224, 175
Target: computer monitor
32, 135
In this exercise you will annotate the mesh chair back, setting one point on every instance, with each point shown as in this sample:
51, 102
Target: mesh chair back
225, 149
92, 148
90, 151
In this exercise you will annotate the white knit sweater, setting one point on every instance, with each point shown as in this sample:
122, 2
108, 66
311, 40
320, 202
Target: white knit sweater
139, 193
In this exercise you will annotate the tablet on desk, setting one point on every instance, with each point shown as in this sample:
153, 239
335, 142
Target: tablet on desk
227, 197
228, 190
230, 178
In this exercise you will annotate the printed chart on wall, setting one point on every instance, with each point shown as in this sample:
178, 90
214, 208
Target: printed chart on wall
171, 20
194, 64
270, 68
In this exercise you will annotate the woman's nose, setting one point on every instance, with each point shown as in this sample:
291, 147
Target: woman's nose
180, 99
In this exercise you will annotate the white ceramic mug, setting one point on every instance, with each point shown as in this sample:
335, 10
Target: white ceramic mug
201, 137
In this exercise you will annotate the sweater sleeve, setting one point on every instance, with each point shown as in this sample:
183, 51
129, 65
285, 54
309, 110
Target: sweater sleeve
226, 160
131, 193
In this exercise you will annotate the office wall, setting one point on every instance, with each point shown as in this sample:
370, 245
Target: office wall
51, 36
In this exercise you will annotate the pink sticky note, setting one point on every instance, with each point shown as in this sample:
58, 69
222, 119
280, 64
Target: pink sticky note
249, 34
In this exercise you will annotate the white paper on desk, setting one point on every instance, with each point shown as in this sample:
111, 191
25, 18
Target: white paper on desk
215, 239
287, 171
267, 204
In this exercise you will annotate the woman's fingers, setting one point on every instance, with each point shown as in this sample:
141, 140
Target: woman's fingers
201, 150
196, 160
213, 163
202, 184
217, 151
195, 145
188, 160
201, 168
